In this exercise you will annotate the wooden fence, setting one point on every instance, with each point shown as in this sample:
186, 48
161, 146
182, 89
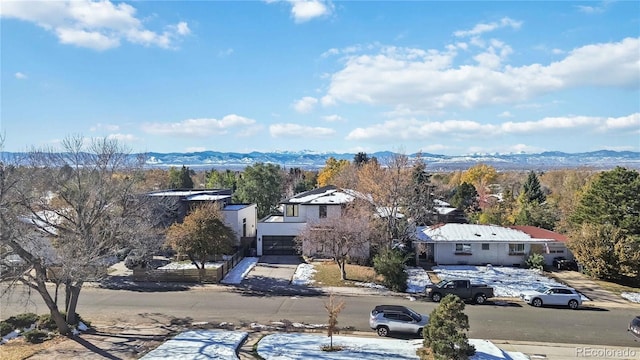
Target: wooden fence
204, 276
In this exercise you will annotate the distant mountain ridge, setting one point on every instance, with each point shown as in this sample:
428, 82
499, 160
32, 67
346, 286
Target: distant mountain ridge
311, 160
602, 159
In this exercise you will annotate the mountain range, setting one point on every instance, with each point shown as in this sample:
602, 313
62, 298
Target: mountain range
310, 160
603, 159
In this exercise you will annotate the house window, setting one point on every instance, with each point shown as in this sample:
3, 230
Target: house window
292, 210
244, 227
464, 249
486, 247
516, 249
322, 211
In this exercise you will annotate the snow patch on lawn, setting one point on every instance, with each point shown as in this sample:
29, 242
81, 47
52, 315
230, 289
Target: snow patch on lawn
200, 344
506, 281
189, 265
303, 275
631, 296
417, 280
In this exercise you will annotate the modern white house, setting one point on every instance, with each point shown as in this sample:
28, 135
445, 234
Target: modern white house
241, 218
472, 244
276, 233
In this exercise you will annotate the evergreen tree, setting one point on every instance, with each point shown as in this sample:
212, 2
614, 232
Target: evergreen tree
531, 190
465, 197
445, 335
180, 179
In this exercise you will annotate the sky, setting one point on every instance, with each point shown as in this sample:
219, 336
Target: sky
441, 77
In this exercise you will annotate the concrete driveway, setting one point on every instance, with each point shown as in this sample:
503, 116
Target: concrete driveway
273, 274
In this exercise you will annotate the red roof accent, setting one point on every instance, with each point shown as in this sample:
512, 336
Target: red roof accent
540, 233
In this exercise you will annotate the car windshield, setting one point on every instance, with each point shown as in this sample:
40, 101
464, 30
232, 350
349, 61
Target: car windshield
542, 289
442, 283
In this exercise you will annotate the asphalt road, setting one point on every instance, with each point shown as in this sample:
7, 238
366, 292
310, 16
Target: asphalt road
502, 321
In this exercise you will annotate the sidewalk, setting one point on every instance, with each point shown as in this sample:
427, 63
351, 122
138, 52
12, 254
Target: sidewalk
555, 351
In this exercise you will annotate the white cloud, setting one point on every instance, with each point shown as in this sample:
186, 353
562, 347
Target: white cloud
98, 25
305, 10
413, 130
631, 123
505, 114
285, 130
483, 28
333, 118
305, 105
199, 127
426, 80
122, 137
225, 53
20, 76
106, 127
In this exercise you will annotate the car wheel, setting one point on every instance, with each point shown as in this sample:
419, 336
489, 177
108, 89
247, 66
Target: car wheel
419, 332
573, 304
480, 299
536, 302
436, 297
382, 331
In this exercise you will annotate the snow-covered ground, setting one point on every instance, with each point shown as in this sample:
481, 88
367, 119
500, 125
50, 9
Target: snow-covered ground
221, 344
189, 265
633, 297
240, 271
506, 281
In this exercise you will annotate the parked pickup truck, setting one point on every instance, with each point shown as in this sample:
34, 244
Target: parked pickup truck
463, 288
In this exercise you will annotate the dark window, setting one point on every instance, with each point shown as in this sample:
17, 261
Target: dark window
322, 211
516, 249
463, 248
244, 227
486, 246
292, 210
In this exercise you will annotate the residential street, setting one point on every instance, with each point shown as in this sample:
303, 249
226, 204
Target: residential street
501, 321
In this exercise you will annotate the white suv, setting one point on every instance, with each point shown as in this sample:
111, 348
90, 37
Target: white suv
385, 319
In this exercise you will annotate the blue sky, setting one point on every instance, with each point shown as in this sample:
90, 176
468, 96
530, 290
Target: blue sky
448, 77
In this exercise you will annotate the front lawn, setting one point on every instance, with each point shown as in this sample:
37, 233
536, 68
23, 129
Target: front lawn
328, 274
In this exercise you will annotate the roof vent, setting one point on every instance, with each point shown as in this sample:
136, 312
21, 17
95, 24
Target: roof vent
476, 234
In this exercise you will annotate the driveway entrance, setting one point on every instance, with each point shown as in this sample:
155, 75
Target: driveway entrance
273, 274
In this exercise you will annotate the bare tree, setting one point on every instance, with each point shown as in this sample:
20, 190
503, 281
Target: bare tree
333, 307
341, 238
69, 213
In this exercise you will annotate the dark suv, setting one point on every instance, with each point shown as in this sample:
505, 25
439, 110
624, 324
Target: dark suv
386, 319
562, 263
634, 328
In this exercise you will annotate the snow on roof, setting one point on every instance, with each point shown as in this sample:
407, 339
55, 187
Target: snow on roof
474, 233
207, 197
192, 192
438, 202
444, 210
324, 195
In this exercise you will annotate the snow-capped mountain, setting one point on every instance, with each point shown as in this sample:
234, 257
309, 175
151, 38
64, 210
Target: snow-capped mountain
603, 159
310, 160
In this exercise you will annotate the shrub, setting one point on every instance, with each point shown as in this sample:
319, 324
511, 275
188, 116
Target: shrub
5, 328
390, 264
46, 322
22, 320
535, 261
35, 336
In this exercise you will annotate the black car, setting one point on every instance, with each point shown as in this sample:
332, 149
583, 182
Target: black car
634, 328
562, 263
